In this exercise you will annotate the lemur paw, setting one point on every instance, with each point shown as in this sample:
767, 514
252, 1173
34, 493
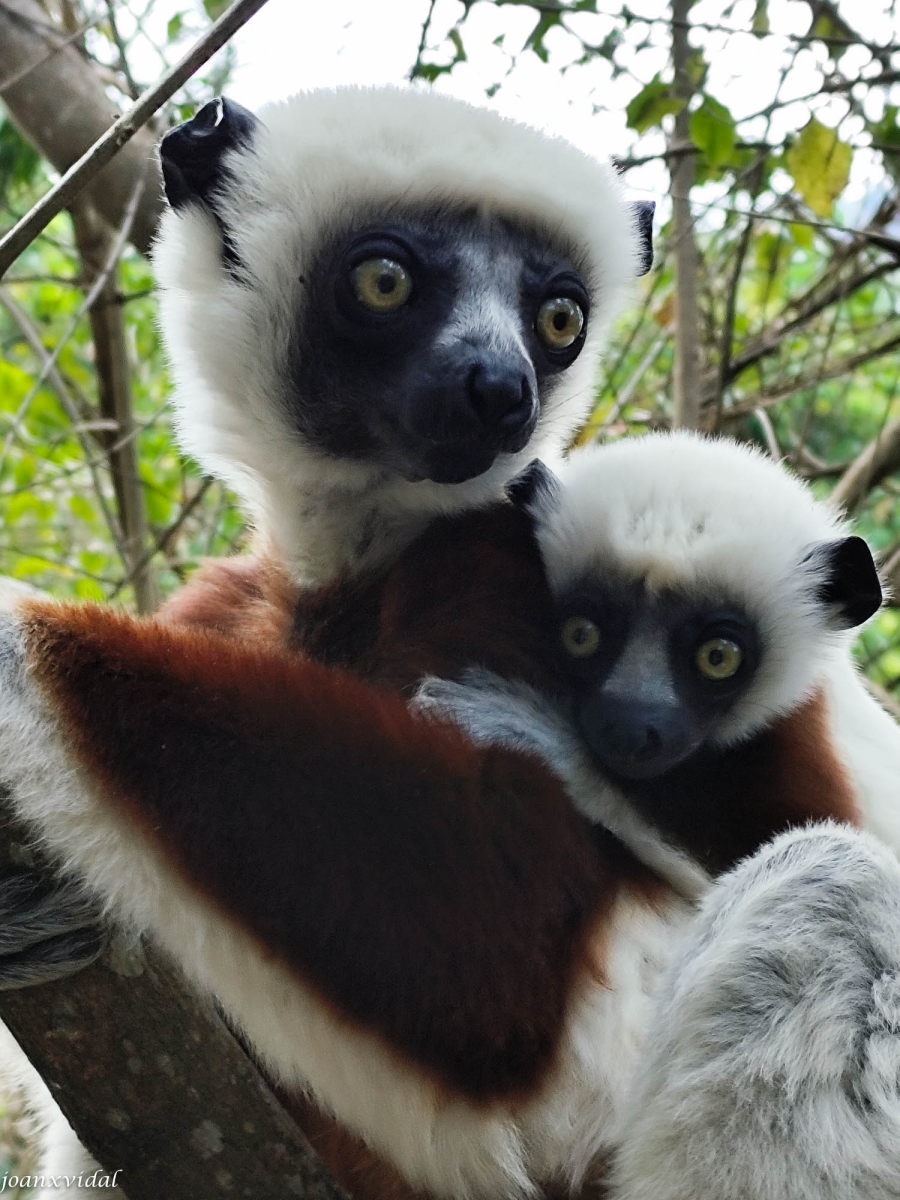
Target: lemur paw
48, 930
498, 711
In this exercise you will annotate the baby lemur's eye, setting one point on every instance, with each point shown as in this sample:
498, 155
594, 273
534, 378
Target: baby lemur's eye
718, 658
559, 322
580, 637
381, 284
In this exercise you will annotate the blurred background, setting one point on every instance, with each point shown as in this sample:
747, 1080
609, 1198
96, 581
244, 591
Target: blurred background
766, 130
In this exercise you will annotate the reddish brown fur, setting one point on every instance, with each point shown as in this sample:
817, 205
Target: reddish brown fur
244, 597
437, 893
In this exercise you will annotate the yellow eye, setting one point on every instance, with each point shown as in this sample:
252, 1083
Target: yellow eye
381, 284
719, 658
559, 322
580, 637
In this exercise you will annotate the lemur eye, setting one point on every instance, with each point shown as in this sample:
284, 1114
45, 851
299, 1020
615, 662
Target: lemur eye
580, 637
381, 284
559, 322
719, 658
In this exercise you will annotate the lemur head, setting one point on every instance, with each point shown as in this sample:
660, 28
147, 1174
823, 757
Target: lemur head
700, 591
384, 289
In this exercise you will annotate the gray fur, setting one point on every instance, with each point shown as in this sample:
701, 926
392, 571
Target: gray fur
773, 1070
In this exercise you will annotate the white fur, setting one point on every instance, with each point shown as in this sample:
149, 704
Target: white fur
713, 518
773, 1071
319, 159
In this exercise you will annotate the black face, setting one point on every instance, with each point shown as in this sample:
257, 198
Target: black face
652, 676
428, 342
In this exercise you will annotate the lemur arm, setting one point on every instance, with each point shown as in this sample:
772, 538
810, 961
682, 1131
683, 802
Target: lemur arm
433, 892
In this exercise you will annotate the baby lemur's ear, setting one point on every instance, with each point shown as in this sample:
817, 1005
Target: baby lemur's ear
192, 154
845, 581
534, 489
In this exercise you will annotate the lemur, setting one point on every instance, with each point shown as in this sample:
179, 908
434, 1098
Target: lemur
457, 963
379, 304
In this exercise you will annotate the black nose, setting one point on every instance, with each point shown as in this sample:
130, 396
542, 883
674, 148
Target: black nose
500, 395
635, 739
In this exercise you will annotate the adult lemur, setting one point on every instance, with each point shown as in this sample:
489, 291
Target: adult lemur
451, 958
379, 305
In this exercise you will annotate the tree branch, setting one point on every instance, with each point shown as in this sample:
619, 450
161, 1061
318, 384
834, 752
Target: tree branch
879, 459
95, 245
686, 373
59, 104
155, 1085
108, 146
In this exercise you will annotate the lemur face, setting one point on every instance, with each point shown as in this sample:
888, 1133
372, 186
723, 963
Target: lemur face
384, 287
651, 676
701, 592
429, 341
427, 336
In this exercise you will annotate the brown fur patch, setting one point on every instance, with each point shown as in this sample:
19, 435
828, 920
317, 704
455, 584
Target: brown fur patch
437, 893
243, 596
724, 804
471, 591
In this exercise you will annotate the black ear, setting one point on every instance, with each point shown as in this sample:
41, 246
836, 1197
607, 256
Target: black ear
846, 581
524, 489
642, 214
192, 154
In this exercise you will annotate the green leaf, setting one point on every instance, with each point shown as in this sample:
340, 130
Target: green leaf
174, 27
651, 104
820, 165
82, 508
802, 235
89, 589
535, 40
215, 8
712, 131
761, 17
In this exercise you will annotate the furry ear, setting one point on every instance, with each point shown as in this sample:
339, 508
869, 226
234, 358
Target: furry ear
535, 486
642, 214
192, 154
846, 581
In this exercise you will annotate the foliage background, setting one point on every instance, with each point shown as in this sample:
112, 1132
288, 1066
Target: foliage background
771, 313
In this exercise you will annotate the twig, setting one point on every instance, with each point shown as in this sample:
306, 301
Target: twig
12, 80
768, 433
880, 458
686, 371
59, 197
113, 372
766, 400
51, 373
49, 358
167, 534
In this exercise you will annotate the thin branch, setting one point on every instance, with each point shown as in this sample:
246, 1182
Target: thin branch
11, 80
78, 176
880, 458
766, 400
133, 89
113, 372
768, 433
49, 358
165, 537
686, 372
50, 372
